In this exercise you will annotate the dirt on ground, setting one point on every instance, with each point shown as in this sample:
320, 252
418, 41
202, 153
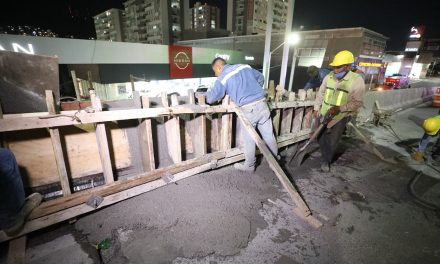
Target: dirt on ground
226, 216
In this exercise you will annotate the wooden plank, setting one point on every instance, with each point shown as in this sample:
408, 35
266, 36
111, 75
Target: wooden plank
164, 99
75, 85
66, 118
200, 141
226, 128
191, 97
303, 209
17, 251
286, 123
146, 139
307, 120
101, 138
57, 147
174, 140
59, 204
297, 120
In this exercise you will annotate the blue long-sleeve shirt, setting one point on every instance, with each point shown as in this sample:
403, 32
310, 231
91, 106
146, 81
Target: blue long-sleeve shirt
316, 81
241, 82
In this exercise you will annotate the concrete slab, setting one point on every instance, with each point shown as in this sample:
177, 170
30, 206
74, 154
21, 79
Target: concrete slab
63, 249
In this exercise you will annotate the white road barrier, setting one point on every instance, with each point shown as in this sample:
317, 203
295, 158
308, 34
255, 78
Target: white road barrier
393, 100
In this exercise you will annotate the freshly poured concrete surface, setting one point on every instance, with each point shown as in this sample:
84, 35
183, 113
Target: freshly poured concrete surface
225, 216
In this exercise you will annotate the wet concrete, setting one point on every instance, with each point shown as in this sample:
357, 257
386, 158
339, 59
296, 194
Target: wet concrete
225, 216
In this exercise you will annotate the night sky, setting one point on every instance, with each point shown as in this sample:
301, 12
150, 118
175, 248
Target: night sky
391, 18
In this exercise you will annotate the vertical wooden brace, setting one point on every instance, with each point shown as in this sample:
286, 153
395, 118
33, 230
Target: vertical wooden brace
101, 138
57, 147
146, 139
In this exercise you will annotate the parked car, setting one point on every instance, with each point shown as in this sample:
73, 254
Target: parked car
397, 81
383, 87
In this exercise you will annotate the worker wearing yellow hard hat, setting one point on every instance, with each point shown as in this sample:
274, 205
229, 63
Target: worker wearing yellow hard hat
339, 96
431, 127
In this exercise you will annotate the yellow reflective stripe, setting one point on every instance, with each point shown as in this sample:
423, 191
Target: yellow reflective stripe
339, 100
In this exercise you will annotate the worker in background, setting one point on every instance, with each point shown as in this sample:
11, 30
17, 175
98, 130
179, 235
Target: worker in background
244, 86
431, 127
316, 77
14, 207
341, 94
355, 69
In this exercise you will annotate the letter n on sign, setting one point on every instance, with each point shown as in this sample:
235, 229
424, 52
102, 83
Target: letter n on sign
180, 58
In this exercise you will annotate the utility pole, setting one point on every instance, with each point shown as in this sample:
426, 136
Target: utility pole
266, 61
286, 45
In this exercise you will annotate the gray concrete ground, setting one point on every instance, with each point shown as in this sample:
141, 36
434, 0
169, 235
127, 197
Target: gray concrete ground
225, 216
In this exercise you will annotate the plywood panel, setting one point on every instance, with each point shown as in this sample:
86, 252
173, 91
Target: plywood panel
34, 153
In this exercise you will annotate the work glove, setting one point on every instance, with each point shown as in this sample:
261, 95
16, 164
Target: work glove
334, 111
417, 156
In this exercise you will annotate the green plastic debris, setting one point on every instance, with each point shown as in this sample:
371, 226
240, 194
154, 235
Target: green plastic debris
104, 244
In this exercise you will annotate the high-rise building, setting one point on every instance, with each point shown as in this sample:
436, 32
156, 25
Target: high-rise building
108, 25
247, 17
205, 17
153, 21
144, 21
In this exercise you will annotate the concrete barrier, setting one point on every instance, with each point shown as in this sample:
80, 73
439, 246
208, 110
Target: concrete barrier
393, 100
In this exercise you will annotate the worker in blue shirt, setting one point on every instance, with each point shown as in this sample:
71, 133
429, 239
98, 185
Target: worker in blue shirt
316, 77
244, 86
14, 206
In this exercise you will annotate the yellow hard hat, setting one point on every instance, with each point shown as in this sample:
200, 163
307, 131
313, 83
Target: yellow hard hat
432, 126
342, 58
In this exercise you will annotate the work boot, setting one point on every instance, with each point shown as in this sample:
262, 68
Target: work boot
31, 202
325, 166
243, 167
417, 156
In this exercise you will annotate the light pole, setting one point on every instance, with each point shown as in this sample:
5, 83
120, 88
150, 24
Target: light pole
292, 40
292, 69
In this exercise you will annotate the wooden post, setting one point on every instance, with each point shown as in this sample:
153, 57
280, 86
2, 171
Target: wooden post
17, 251
89, 77
101, 138
226, 132
191, 98
132, 82
172, 127
146, 139
164, 98
75, 84
202, 100
302, 208
57, 147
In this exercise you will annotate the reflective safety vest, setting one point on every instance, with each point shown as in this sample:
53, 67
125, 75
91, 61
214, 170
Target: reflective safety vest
336, 93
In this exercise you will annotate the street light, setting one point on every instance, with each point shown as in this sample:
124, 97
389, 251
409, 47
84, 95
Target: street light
292, 39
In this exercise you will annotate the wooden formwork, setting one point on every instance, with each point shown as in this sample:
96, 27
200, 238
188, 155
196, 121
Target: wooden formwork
198, 138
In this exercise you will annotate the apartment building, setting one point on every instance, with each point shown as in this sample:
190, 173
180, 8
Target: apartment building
108, 25
248, 17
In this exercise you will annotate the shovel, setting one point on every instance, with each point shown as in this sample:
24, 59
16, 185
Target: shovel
299, 155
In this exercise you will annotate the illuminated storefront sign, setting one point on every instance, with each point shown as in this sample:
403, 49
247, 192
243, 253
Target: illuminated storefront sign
223, 56
369, 64
18, 48
180, 59
416, 32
